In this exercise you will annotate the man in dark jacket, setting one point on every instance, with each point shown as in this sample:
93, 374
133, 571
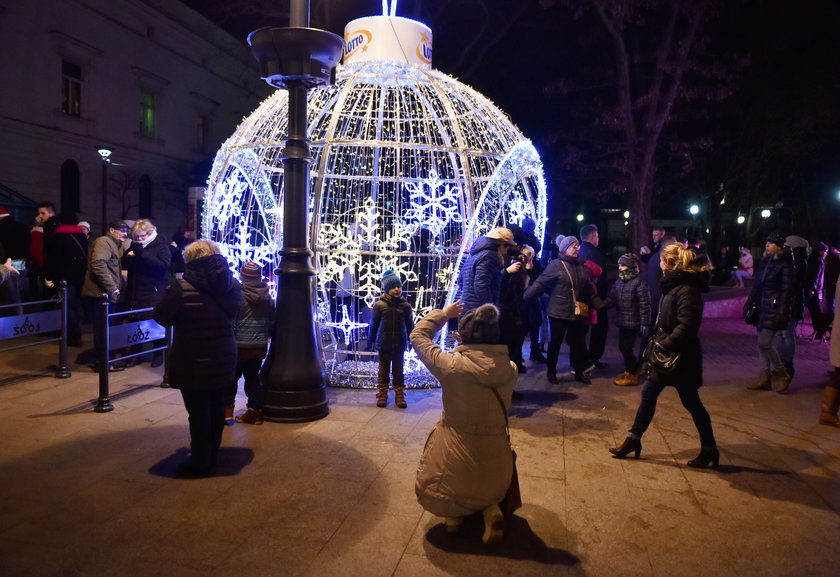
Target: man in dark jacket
649, 254
481, 275
66, 260
589, 240
775, 283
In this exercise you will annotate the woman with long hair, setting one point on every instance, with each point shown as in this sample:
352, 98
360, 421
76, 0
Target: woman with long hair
685, 277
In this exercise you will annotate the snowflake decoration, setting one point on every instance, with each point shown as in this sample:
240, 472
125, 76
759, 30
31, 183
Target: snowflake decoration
518, 209
347, 325
436, 209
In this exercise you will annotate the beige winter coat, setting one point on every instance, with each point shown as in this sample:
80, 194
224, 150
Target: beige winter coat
466, 463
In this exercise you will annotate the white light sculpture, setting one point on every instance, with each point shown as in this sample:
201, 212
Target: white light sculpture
409, 167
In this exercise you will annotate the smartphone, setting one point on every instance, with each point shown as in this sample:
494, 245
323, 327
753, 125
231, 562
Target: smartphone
19, 264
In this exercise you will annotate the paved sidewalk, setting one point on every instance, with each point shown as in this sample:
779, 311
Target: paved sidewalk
88, 494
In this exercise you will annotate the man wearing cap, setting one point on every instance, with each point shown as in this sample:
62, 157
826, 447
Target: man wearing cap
773, 290
104, 274
481, 275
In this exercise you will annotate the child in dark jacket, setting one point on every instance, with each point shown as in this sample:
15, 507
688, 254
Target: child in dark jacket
253, 330
630, 296
391, 323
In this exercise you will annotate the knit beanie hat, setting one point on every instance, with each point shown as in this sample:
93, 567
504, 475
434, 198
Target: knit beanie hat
564, 244
777, 238
480, 326
629, 260
390, 280
250, 271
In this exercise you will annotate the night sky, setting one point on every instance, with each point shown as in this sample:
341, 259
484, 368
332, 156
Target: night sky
779, 124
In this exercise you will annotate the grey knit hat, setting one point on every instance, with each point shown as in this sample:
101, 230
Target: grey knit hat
480, 326
564, 244
629, 260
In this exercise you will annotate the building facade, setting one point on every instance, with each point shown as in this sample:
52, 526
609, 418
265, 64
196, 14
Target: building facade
152, 80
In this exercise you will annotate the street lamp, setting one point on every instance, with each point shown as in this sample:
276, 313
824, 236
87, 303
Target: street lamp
105, 154
296, 58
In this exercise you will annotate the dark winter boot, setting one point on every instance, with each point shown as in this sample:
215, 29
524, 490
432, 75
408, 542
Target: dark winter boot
829, 406
399, 398
763, 383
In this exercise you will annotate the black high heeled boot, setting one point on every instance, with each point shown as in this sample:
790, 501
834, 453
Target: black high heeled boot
630, 445
707, 456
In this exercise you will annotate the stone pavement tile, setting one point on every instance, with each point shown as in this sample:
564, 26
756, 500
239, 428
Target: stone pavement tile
370, 543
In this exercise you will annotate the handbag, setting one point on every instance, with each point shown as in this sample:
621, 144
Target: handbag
513, 498
660, 359
752, 312
581, 308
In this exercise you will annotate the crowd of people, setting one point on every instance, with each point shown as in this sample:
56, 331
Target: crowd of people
507, 295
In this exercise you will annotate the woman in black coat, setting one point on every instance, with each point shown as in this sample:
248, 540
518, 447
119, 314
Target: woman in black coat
147, 262
686, 276
567, 281
202, 307
774, 290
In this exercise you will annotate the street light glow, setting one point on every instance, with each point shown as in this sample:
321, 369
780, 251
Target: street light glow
741, 219
765, 213
694, 209
104, 152
626, 214
579, 217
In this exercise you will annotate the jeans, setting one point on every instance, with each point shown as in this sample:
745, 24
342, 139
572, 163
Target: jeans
690, 398
767, 353
787, 343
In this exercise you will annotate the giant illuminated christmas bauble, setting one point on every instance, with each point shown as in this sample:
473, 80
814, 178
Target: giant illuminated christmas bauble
409, 167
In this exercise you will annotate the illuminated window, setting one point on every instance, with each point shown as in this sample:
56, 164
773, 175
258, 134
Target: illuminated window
71, 88
147, 113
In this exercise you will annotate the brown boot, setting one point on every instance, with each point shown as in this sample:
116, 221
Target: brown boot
381, 397
829, 406
627, 380
229, 415
251, 417
782, 379
399, 398
763, 383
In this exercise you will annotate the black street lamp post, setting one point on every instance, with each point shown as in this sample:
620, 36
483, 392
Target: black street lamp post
105, 153
296, 58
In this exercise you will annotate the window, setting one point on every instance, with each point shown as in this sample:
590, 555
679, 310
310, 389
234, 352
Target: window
71, 88
147, 113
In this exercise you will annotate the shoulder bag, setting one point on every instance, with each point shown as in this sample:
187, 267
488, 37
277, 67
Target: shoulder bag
581, 308
513, 498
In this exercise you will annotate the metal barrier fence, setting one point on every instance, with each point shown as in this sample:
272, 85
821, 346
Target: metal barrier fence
121, 336
21, 324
